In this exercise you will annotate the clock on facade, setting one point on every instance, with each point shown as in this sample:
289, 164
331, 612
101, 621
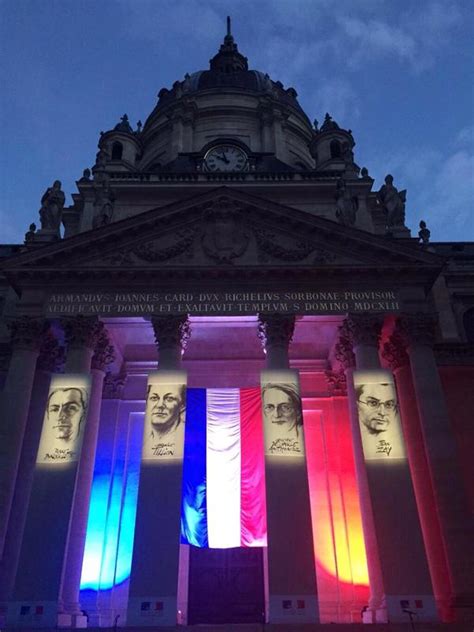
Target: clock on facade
225, 158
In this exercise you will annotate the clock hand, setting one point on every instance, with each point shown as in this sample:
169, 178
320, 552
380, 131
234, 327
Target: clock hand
224, 158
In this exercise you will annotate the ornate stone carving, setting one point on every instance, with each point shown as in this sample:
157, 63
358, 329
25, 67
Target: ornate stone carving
171, 331
81, 331
104, 353
152, 253
26, 333
52, 205
337, 382
346, 205
224, 236
417, 329
455, 354
393, 201
424, 234
275, 329
395, 353
363, 329
343, 351
30, 234
52, 355
103, 204
268, 248
113, 385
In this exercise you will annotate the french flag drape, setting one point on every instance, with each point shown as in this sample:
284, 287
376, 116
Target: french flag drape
223, 469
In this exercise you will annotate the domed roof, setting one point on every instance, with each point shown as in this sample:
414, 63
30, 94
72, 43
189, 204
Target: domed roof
228, 69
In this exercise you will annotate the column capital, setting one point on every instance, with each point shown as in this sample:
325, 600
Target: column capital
417, 329
171, 331
81, 331
363, 329
337, 382
113, 385
104, 352
343, 351
275, 329
26, 332
52, 355
395, 353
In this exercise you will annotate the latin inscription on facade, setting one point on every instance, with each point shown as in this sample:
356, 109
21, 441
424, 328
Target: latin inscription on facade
222, 303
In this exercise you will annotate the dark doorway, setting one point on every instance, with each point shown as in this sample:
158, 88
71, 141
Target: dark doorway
226, 586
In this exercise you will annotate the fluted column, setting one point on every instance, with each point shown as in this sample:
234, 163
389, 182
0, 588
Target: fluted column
103, 354
275, 332
26, 334
418, 332
51, 359
159, 563
396, 355
172, 334
358, 348
290, 575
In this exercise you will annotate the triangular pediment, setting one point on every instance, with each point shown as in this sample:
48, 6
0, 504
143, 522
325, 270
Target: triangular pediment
221, 230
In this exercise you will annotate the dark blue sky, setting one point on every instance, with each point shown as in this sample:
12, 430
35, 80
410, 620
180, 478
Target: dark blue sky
398, 73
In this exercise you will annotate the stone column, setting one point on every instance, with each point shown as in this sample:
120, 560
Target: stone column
395, 354
398, 568
366, 345
26, 334
290, 573
418, 332
172, 334
157, 595
83, 338
51, 359
275, 332
81, 333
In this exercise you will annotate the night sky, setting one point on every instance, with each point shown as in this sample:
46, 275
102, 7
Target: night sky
400, 74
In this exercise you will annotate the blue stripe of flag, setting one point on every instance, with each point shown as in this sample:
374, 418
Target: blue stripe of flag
194, 507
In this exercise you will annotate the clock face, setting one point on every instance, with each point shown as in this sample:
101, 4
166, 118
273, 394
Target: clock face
225, 158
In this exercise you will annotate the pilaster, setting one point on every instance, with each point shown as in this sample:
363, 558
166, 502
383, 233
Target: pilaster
26, 334
418, 332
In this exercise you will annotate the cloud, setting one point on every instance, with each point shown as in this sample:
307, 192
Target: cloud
440, 188
417, 37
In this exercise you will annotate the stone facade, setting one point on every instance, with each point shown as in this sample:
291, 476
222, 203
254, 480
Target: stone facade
168, 261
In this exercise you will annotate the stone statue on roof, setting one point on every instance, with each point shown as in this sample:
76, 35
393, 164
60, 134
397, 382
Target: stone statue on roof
346, 205
393, 201
52, 205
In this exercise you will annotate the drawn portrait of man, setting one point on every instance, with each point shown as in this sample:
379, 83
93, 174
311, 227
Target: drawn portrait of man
63, 426
379, 420
164, 420
283, 418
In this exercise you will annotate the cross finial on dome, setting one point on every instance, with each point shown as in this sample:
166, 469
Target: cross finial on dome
228, 59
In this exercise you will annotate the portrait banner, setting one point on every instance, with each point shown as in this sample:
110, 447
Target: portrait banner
291, 590
155, 577
163, 433
282, 414
379, 416
64, 419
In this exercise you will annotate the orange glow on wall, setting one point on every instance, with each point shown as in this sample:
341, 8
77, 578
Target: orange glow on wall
341, 564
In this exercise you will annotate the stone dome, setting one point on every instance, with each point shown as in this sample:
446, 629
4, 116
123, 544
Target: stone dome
211, 104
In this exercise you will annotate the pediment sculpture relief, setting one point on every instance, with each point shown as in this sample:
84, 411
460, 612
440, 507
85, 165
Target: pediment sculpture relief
155, 251
271, 247
224, 235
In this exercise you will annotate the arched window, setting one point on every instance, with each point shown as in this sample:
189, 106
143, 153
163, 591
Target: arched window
335, 148
117, 151
468, 322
